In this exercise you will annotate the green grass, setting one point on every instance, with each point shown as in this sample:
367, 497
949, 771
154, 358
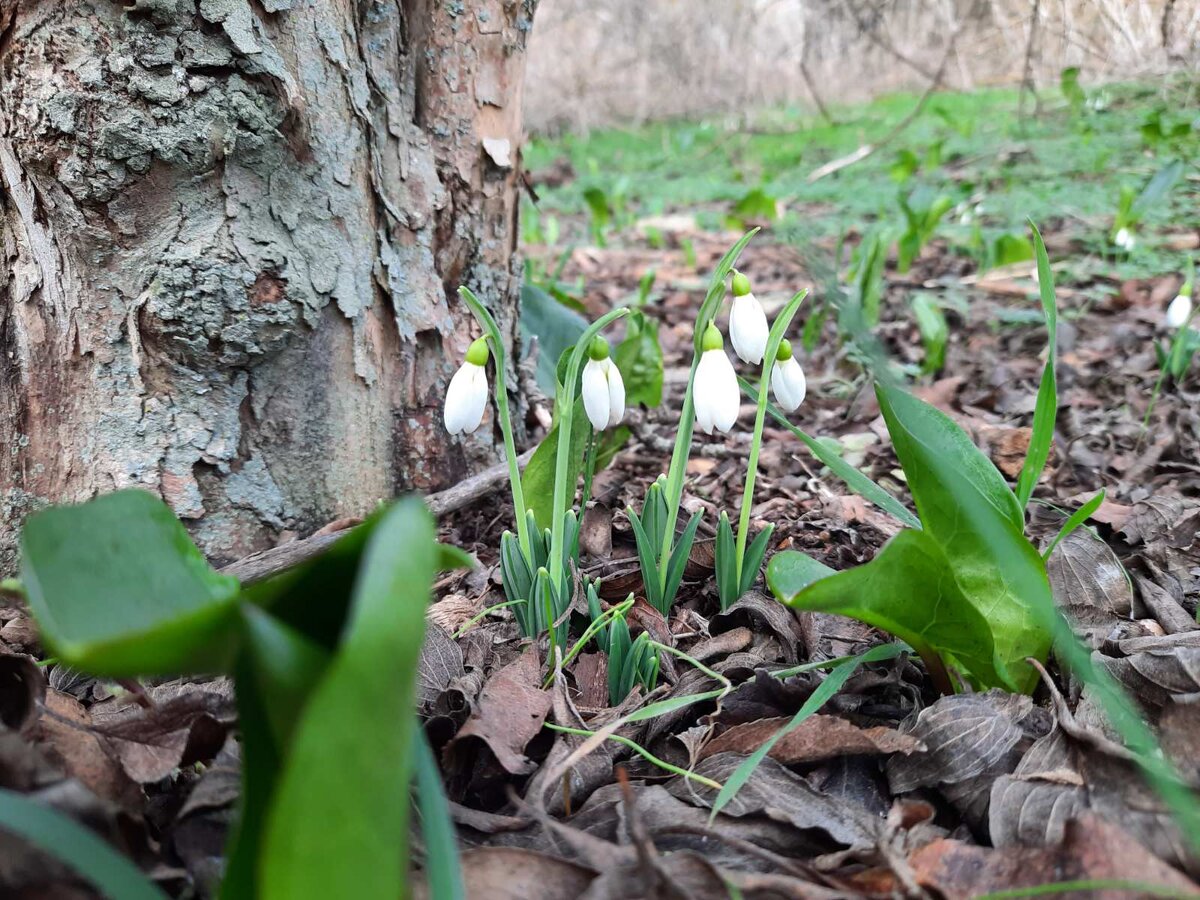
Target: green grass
1066, 165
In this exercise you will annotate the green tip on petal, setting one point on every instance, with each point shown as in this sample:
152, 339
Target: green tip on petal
712, 339
598, 349
741, 285
784, 353
477, 353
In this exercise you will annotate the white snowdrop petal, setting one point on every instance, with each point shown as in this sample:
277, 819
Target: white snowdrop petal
616, 394
1178, 311
727, 395
781, 390
466, 397
595, 394
794, 383
748, 329
477, 399
702, 395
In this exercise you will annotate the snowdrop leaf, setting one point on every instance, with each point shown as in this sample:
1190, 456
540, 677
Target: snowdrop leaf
1046, 411
555, 326
538, 478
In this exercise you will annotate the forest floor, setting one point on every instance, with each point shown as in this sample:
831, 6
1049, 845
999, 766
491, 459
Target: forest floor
890, 789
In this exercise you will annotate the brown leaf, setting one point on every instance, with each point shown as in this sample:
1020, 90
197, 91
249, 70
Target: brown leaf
595, 531
1089, 585
591, 678
758, 608
1156, 677
1091, 850
781, 795
64, 734
1170, 615
441, 661
817, 738
970, 740
511, 709
22, 686
187, 721
508, 873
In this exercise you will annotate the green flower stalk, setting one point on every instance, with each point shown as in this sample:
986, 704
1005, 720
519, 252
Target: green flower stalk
737, 567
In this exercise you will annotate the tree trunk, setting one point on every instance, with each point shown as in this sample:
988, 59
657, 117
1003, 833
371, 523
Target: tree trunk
234, 231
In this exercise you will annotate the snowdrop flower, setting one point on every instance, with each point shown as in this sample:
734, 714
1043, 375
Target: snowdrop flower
603, 389
787, 379
1124, 239
715, 390
1179, 311
467, 394
747, 322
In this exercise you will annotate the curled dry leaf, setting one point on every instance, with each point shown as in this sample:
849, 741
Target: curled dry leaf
1155, 677
817, 738
779, 794
970, 740
22, 686
186, 722
1091, 850
65, 735
441, 662
760, 610
1089, 585
511, 709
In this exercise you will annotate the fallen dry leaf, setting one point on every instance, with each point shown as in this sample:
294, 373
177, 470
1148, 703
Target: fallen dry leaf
1091, 850
511, 709
817, 738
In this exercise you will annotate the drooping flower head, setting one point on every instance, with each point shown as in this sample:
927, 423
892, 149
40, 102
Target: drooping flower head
467, 393
748, 328
603, 388
1124, 239
715, 390
787, 379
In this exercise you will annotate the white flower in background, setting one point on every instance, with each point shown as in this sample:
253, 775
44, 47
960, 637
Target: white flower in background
466, 397
1179, 311
787, 379
1124, 239
748, 328
603, 389
715, 390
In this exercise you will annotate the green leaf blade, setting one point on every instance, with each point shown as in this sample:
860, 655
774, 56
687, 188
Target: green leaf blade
343, 792
118, 589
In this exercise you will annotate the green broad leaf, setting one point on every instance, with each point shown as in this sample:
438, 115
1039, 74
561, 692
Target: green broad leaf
451, 557
1008, 249
83, 851
825, 690
286, 665
908, 591
555, 326
1045, 412
829, 457
946, 474
926, 438
640, 359
341, 793
118, 589
443, 869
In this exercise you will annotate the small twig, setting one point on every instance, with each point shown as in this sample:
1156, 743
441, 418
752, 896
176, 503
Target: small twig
263, 565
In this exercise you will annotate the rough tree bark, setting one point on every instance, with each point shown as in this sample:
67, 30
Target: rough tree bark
233, 232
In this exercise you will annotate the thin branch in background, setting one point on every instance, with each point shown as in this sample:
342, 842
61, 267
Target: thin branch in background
1027, 82
865, 28
870, 149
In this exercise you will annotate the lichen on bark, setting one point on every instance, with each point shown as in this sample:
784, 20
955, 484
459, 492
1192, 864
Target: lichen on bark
234, 231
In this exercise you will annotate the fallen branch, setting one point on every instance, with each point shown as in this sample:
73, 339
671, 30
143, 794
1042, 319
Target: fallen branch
266, 563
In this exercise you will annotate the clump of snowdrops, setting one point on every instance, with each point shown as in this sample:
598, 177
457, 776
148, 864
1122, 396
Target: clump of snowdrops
538, 566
